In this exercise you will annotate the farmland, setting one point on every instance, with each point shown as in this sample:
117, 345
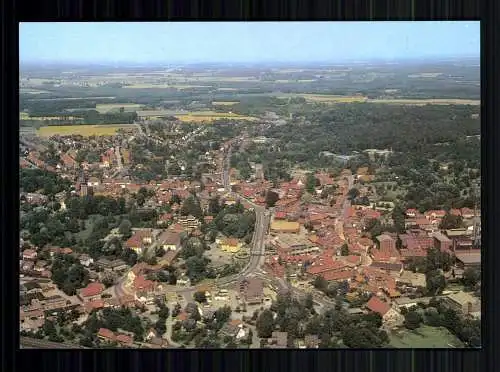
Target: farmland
224, 103
107, 107
325, 98
202, 116
82, 130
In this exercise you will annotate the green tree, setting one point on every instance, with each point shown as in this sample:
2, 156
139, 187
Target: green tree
200, 297
125, 228
471, 277
412, 320
435, 282
265, 324
271, 198
344, 251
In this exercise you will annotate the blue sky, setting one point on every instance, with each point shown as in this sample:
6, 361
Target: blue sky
245, 41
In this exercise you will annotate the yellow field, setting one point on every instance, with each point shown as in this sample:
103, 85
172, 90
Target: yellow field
201, 116
412, 102
422, 102
326, 98
106, 107
224, 103
82, 130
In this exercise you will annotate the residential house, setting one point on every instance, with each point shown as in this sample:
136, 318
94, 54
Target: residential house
234, 328
442, 242
183, 281
169, 240
29, 254
140, 241
468, 259
463, 302
86, 260
93, 182
231, 245
406, 302
106, 335
91, 292
390, 316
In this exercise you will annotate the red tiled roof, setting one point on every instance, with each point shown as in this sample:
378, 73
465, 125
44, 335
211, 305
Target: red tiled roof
124, 339
93, 305
93, 289
378, 306
338, 275
106, 333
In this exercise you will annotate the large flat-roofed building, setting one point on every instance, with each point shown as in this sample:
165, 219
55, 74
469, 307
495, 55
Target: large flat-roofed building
285, 227
468, 259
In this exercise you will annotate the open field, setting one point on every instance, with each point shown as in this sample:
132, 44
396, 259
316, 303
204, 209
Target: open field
295, 81
326, 98
227, 89
155, 113
425, 75
424, 337
106, 107
422, 102
201, 116
82, 130
224, 103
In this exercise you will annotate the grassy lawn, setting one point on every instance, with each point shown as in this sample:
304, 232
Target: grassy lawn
424, 337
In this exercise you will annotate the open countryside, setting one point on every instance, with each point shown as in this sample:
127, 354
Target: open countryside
81, 130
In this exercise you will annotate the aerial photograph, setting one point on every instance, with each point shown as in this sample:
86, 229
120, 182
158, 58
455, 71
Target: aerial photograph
262, 185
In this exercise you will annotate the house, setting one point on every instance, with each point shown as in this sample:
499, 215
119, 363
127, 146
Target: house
386, 242
408, 303
463, 302
169, 240
442, 242
231, 245
234, 328
124, 340
106, 335
91, 292
183, 281
252, 290
468, 259
29, 254
139, 241
96, 304
86, 260
93, 182
390, 316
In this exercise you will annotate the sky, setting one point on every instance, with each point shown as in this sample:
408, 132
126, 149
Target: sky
240, 42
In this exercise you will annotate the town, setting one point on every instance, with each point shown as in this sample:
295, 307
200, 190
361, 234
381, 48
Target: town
250, 207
